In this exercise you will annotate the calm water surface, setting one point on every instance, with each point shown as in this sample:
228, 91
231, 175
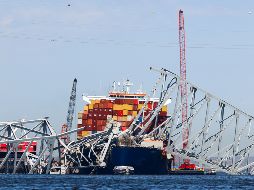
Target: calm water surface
125, 182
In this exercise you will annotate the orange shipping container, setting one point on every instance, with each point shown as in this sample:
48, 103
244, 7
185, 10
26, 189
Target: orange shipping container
134, 113
86, 133
164, 108
90, 106
117, 107
125, 112
127, 107
140, 106
86, 108
89, 121
110, 105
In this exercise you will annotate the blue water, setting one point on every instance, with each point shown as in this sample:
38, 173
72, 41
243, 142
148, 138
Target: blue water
73, 182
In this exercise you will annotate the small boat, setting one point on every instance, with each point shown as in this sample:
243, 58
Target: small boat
127, 170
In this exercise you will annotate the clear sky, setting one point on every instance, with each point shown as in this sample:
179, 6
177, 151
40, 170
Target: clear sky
44, 44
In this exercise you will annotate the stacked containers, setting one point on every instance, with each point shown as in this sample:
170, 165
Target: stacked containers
94, 116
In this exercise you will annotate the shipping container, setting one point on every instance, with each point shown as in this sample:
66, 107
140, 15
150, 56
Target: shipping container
121, 107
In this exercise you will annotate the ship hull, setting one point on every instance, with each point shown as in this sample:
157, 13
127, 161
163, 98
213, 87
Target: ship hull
145, 161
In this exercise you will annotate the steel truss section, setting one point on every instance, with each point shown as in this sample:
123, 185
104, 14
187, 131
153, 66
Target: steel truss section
91, 151
40, 141
221, 135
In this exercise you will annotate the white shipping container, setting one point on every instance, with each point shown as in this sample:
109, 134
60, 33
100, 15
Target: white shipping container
79, 121
80, 115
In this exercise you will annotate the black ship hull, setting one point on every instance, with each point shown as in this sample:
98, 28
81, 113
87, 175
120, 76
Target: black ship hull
145, 161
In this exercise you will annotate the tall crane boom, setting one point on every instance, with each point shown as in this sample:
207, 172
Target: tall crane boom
71, 105
183, 83
67, 127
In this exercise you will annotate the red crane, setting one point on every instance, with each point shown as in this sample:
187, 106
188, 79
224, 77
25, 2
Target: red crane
183, 83
184, 96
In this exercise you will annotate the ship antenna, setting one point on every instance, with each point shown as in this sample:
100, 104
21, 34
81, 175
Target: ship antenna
140, 90
114, 86
119, 84
128, 84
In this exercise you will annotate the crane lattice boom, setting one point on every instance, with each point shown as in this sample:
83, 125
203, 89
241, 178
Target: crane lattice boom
183, 83
67, 127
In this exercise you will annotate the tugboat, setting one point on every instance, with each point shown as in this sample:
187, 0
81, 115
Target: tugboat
187, 168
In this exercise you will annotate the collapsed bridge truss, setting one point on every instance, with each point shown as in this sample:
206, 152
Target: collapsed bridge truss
221, 136
30, 146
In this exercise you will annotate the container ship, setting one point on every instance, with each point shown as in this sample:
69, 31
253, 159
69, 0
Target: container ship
122, 107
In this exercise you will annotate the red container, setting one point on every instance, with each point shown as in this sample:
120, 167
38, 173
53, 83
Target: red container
90, 116
135, 107
94, 128
89, 122
123, 128
96, 105
103, 100
149, 106
110, 105
135, 102
163, 113
101, 122
84, 122
84, 116
100, 128
115, 112
119, 112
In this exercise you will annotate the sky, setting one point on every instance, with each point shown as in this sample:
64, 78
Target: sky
45, 44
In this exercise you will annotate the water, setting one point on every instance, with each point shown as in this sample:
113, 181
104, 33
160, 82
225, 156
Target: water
75, 182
